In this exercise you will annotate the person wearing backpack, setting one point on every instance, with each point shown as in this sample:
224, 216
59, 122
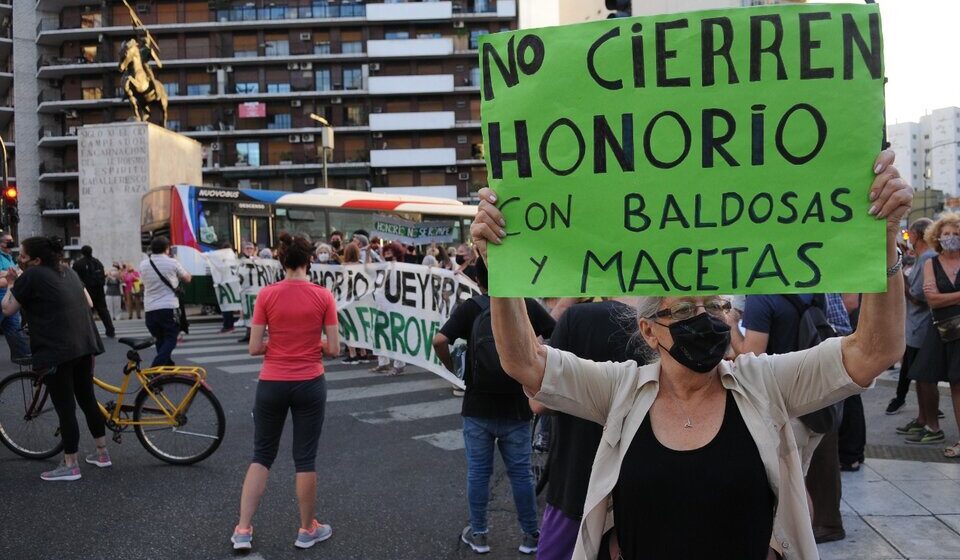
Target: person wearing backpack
780, 324
91, 273
496, 413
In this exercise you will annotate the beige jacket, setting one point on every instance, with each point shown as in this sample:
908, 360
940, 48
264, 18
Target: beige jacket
768, 390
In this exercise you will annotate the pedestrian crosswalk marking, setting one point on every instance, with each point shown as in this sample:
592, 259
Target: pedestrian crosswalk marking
451, 440
195, 350
219, 358
409, 412
371, 391
198, 343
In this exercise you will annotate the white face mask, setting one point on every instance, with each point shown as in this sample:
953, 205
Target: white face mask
909, 245
323, 257
950, 243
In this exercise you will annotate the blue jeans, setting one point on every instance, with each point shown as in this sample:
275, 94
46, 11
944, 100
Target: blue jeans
163, 326
513, 438
16, 339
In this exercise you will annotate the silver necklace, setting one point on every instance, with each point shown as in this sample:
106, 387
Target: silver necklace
688, 425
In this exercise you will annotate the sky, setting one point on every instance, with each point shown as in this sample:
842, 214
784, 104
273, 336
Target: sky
922, 56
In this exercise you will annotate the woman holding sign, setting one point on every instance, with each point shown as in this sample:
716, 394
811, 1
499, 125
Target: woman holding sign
697, 458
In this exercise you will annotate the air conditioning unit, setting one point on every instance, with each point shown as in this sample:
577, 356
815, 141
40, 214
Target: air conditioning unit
75, 241
336, 100
306, 36
383, 171
378, 109
307, 138
458, 25
464, 176
375, 67
211, 69
452, 169
293, 66
215, 147
306, 66
72, 131
295, 102
228, 69
294, 138
309, 180
378, 135
143, 8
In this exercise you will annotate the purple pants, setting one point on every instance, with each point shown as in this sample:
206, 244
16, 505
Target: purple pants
558, 535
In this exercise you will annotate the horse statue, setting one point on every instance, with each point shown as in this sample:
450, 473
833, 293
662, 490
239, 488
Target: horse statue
138, 81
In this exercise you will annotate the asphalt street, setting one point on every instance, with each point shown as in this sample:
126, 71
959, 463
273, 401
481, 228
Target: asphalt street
391, 465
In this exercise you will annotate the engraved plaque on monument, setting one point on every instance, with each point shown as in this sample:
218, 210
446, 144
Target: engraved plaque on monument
119, 163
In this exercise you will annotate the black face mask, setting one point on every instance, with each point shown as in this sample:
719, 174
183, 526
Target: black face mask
335, 244
461, 259
699, 342
10, 244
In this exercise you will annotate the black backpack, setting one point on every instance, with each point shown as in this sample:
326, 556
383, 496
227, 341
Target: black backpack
486, 373
93, 274
812, 330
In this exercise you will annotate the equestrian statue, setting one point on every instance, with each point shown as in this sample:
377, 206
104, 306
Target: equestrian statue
138, 81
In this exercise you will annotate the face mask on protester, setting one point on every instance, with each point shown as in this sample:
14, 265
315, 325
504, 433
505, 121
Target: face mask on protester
461, 259
335, 244
950, 243
10, 244
323, 257
909, 245
699, 342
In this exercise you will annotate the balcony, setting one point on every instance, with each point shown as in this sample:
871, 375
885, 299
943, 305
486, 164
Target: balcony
440, 191
436, 157
50, 138
50, 101
410, 47
433, 83
427, 120
410, 11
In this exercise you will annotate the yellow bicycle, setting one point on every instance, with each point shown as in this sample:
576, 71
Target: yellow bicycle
175, 414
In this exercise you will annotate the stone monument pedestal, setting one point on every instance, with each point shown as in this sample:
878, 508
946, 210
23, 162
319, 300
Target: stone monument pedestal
119, 163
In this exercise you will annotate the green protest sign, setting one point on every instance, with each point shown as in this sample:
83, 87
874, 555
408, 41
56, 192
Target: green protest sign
725, 151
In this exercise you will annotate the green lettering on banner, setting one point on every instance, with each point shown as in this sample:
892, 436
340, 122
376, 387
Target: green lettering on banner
724, 151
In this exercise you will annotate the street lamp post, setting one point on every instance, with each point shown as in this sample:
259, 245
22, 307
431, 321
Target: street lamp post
928, 172
326, 142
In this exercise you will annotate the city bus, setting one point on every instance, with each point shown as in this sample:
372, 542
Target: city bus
201, 219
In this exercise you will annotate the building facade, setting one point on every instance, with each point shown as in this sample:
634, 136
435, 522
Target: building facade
930, 150
397, 81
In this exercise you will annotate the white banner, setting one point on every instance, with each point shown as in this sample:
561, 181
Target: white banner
393, 309
414, 233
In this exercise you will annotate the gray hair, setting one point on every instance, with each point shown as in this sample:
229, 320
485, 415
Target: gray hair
324, 247
637, 346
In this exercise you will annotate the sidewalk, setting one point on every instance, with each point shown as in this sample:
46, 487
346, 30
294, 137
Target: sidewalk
894, 509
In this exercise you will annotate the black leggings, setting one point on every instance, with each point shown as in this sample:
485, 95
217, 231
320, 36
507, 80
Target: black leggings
306, 401
68, 381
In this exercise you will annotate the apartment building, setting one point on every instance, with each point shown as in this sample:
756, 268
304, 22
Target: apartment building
397, 81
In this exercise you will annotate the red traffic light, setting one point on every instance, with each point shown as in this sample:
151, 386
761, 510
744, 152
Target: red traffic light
10, 194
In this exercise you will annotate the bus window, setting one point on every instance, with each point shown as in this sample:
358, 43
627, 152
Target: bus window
214, 223
300, 221
348, 222
155, 207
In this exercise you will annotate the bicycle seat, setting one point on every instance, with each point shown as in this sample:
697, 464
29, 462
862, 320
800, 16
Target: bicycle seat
137, 343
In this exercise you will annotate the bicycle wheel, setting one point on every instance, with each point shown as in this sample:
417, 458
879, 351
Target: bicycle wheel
198, 431
29, 425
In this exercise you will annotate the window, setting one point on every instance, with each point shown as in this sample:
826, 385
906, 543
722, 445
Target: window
214, 222
475, 37
352, 78
248, 153
88, 53
173, 124
462, 139
280, 121
322, 47
355, 115
91, 89
199, 89
430, 35
244, 46
173, 88
474, 76
396, 35
91, 19
247, 87
323, 79
278, 88
277, 47
351, 47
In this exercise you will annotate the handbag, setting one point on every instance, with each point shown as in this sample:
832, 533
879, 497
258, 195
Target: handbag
180, 314
949, 328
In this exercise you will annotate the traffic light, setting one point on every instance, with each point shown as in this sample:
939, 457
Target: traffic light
11, 216
619, 8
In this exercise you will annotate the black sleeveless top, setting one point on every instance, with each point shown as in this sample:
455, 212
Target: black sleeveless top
946, 286
713, 502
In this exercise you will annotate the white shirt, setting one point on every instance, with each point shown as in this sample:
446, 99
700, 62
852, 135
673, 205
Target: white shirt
156, 294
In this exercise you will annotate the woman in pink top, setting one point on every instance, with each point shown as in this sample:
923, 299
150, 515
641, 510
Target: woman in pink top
297, 314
